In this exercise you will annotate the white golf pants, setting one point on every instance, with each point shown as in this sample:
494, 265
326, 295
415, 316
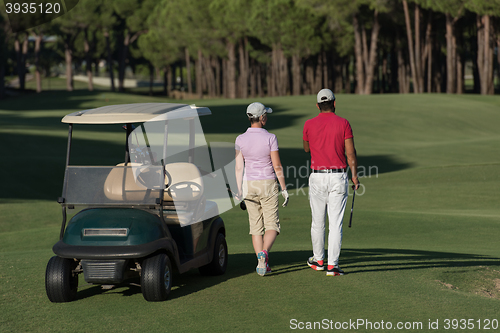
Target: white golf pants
327, 193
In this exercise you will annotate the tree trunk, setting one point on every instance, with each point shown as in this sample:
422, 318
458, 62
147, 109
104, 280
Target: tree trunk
484, 54
38, 78
393, 85
88, 59
165, 80
199, 74
216, 62
260, 88
242, 77
418, 52
416, 88
21, 60
401, 72
318, 81
427, 55
347, 75
460, 74
327, 70
451, 55
402, 75
438, 67
170, 78
498, 58
243, 54
110, 60
366, 57
96, 66
385, 73
284, 84
188, 70
275, 71
2, 79
308, 84
209, 76
337, 67
270, 78
488, 54
253, 79
68, 55
123, 62
231, 70
225, 92
486, 59
460, 63
296, 74
372, 60
358, 51
429, 68
151, 78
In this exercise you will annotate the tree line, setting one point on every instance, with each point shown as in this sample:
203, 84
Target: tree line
240, 49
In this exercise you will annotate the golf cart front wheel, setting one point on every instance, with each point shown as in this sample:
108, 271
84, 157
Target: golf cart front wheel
61, 282
156, 278
218, 264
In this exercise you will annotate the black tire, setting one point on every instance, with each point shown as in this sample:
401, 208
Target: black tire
61, 283
218, 264
156, 278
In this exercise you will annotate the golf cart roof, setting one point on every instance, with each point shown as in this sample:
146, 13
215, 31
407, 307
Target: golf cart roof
135, 113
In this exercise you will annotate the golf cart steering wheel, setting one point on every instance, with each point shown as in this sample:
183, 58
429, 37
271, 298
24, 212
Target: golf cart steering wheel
182, 188
145, 175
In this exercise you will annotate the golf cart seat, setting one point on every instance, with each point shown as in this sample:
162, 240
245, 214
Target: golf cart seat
120, 184
183, 183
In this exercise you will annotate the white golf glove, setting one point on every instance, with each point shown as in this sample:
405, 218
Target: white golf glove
284, 193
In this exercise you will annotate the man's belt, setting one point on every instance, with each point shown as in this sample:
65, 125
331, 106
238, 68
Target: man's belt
329, 171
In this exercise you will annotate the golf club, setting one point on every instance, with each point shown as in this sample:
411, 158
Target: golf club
243, 206
352, 207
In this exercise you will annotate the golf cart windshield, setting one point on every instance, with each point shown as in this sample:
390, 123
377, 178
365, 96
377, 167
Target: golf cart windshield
168, 163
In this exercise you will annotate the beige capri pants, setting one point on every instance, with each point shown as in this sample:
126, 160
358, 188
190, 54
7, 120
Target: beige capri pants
261, 199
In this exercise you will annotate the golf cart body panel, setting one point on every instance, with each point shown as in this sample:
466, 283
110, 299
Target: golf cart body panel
113, 227
182, 262
152, 209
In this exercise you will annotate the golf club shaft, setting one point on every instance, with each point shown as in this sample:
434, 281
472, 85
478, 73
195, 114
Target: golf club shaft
352, 207
243, 206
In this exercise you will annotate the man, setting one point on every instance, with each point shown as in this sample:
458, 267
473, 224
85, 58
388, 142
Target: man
329, 139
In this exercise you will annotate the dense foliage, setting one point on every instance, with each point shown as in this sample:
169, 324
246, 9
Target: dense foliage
236, 48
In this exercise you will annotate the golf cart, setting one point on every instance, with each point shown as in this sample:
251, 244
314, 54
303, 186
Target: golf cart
155, 212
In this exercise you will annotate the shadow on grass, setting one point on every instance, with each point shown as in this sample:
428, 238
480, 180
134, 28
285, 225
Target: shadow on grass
233, 119
34, 164
352, 261
375, 260
50, 100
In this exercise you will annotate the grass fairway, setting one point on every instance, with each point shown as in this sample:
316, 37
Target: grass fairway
424, 245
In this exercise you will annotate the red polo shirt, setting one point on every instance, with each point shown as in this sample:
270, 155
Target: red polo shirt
326, 134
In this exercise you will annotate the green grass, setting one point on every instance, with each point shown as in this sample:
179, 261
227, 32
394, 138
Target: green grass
423, 246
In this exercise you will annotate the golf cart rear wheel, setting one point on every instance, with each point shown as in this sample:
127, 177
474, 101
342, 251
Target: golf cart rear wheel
219, 262
61, 283
156, 278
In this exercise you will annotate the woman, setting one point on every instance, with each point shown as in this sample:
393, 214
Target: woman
257, 155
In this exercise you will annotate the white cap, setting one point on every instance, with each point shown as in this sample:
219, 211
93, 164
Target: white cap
256, 109
325, 95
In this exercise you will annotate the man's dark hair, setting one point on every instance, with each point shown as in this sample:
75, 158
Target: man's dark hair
327, 106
